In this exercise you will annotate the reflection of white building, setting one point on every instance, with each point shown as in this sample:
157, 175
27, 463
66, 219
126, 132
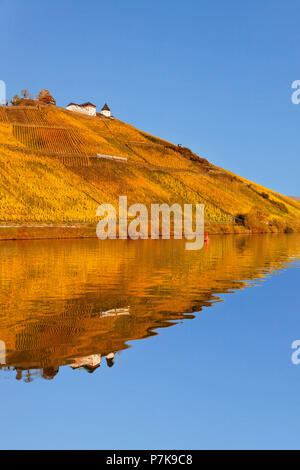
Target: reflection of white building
86, 108
91, 362
114, 312
110, 359
106, 111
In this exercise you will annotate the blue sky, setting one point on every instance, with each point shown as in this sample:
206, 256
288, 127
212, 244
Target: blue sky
212, 75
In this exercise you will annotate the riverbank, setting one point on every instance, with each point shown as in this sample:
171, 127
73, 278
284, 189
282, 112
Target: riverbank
13, 231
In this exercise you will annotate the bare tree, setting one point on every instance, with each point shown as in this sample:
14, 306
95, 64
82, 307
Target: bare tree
26, 94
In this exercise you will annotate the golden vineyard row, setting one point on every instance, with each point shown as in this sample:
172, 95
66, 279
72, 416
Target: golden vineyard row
57, 140
23, 115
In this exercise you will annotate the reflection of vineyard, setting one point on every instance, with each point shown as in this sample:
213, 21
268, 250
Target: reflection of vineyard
69, 299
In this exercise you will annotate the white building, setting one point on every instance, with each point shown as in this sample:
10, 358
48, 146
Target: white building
106, 111
86, 108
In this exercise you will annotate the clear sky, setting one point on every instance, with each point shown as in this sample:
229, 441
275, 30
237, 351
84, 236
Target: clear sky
212, 75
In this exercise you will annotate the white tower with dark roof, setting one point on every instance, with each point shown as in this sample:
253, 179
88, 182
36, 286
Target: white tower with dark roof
106, 111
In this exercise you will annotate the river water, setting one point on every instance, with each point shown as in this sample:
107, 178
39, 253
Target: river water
142, 344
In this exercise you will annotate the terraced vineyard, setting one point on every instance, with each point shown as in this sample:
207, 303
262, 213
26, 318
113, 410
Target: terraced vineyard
26, 115
50, 139
3, 115
63, 134
38, 130
49, 172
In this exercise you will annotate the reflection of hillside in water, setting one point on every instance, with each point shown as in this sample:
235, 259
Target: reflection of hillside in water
67, 302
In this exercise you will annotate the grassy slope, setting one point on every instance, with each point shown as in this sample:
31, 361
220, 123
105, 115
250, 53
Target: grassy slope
41, 182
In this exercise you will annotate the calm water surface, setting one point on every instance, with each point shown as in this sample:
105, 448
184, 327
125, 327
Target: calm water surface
112, 344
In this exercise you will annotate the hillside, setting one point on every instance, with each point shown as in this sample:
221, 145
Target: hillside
50, 173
